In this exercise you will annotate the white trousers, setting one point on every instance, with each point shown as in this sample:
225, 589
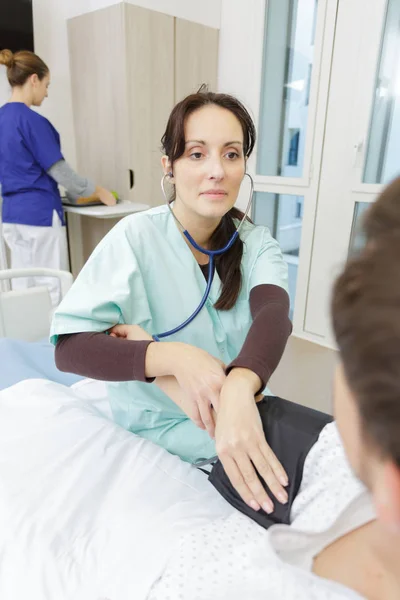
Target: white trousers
32, 246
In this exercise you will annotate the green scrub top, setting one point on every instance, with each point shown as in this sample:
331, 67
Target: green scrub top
144, 273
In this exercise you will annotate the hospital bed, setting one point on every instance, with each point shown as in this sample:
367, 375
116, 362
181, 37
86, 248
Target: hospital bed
25, 316
88, 510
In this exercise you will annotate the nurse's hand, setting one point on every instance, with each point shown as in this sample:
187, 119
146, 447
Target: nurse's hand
196, 377
130, 332
201, 377
241, 444
105, 196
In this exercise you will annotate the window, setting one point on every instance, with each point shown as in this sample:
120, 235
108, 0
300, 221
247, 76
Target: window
286, 75
294, 147
280, 212
357, 240
383, 152
299, 207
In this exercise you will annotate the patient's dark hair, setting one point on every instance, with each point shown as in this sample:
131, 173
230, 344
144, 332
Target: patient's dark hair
366, 321
173, 145
383, 217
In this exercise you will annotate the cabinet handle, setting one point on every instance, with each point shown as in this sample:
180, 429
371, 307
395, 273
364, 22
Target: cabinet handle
131, 179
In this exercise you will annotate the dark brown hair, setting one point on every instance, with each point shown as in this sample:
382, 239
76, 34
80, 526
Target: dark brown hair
21, 65
383, 217
173, 145
366, 321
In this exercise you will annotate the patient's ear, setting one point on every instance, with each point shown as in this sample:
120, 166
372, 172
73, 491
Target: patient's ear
387, 496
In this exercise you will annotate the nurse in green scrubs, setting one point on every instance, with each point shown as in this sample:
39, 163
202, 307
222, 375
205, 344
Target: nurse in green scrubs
145, 278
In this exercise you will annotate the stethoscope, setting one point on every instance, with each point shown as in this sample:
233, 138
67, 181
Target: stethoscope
210, 253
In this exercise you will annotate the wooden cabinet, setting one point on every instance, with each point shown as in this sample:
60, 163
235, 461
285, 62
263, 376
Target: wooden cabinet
150, 81
129, 66
99, 96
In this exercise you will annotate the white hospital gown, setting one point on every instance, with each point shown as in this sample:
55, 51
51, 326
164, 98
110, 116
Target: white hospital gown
237, 559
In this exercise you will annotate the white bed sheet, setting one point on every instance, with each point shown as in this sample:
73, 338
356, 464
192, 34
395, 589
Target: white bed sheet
87, 510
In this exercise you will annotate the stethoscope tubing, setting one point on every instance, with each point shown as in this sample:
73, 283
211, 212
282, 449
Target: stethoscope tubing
210, 253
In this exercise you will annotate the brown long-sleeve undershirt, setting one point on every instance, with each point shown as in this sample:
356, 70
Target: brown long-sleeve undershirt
99, 356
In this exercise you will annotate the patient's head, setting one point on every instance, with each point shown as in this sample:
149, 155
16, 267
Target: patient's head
366, 320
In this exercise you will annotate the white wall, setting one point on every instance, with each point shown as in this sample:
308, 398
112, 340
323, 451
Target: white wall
239, 20
240, 26
51, 44
5, 90
305, 375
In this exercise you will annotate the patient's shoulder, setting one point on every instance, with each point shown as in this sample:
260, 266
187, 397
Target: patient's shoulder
328, 484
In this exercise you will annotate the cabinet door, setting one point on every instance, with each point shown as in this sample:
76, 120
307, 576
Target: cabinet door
196, 57
150, 80
98, 74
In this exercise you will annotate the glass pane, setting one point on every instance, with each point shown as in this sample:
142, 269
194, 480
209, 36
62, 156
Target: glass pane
283, 214
285, 89
357, 240
383, 151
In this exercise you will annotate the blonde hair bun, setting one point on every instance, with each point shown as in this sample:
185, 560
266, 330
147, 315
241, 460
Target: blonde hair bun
6, 58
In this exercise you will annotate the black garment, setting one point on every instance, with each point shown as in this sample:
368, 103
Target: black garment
291, 430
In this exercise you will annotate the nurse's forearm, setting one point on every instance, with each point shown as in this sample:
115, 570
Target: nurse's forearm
266, 340
107, 358
162, 358
246, 377
76, 185
100, 356
169, 385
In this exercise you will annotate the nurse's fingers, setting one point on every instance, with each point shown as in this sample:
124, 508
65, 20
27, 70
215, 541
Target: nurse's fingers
274, 463
266, 471
214, 401
130, 332
237, 480
253, 482
119, 331
207, 417
192, 411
